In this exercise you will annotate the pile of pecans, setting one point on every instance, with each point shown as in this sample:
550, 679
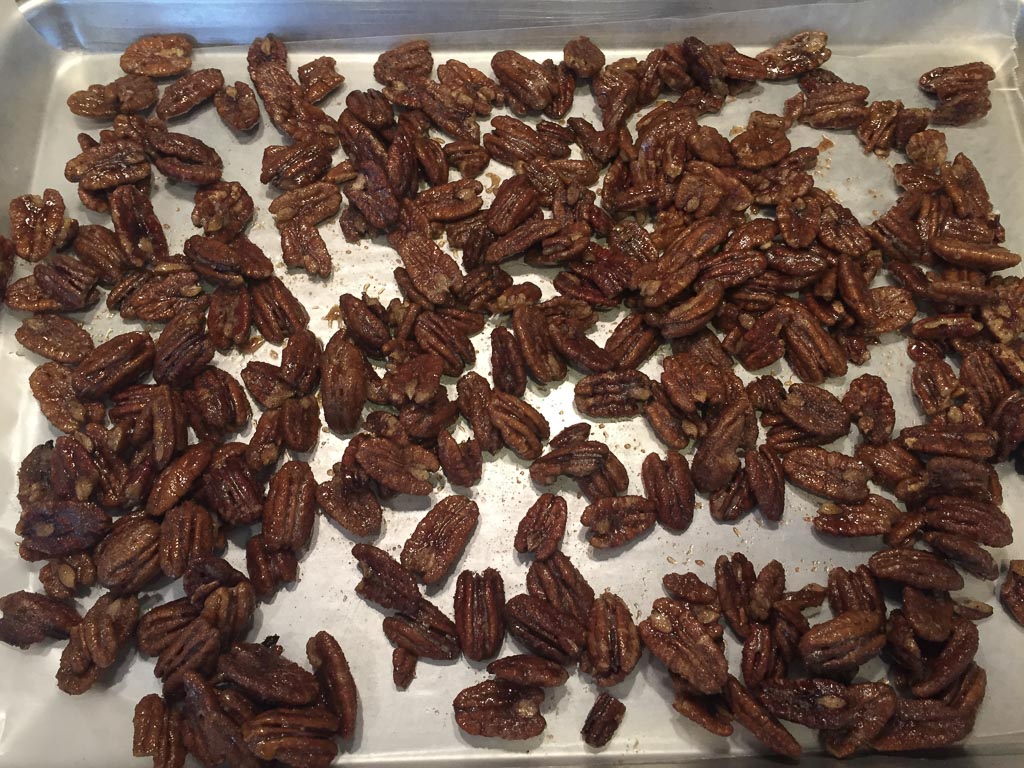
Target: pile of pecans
722, 249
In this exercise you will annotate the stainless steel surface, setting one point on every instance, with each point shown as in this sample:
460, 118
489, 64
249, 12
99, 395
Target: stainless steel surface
41, 726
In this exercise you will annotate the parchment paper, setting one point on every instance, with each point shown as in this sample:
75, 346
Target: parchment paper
41, 726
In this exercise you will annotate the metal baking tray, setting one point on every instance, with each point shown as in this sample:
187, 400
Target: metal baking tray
49, 48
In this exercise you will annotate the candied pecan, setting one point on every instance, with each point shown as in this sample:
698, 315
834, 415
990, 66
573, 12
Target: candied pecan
843, 643
530, 85
128, 557
426, 632
530, 670
186, 535
613, 644
54, 528
874, 516
38, 225
268, 569
237, 107
289, 508
210, 733
158, 56
916, 568
603, 720
829, 474
302, 738
508, 364
436, 544
348, 500
222, 209
189, 92
405, 64
734, 580
545, 629
276, 312
522, 427
96, 642
479, 602
922, 724
263, 674
319, 78
980, 521
500, 709
28, 618
617, 520
541, 529
715, 462
461, 463
1011, 592
336, 683
55, 338
402, 468
965, 552
385, 581
158, 732
677, 638
612, 394
139, 231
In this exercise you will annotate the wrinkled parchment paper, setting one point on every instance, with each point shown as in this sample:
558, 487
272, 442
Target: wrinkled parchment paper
874, 45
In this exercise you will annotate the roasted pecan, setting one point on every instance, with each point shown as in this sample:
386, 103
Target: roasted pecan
965, 552
755, 717
269, 569
521, 426
500, 709
815, 411
508, 365
28, 618
96, 642
402, 468
613, 643
55, 338
128, 558
541, 529
479, 603
319, 78
55, 528
1011, 593
237, 107
158, 732
210, 733
874, 516
437, 543
186, 534
617, 520
829, 474
603, 720
263, 674
612, 394
347, 499
545, 629
158, 56
336, 683
526, 669
426, 632
290, 507
385, 581
678, 639
843, 643
302, 738
916, 568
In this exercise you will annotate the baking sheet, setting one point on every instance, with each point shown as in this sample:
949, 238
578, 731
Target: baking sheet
41, 726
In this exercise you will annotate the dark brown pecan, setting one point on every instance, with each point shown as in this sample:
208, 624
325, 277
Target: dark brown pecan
269, 569
678, 639
479, 603
182, 350
185, 158
756, 718
210, 732
231, 489
432, 271
461, 463
578, 459
158, 56
815, 411
521, 426
426, 632
186, 535
531, 86
38, 225
915, 568
295, 166
237, 107
612, 394
223, 210
263, 674
64, 578
128, 558
500, 709
385, 581
541, 529
55, 528
405, 64
617, 520
437, 543
829, 474
545, 629
815, 702
100, 249
583, 57
276, 312
668, 485
843, 643
52, 387
715, 462
28, 618
178, 478
301, 738
106, 166
531, 334
961, 440
603, 720
508, 366
870, 706
870, 406
965, 552
217, 405
923, 724
1011, 592
319, 78
874, 516
557, 581
402, 468
128, 94
290, 507
347, 499
158, 732
55, 338
336, 683
343, 383
526, 669
189, 92
734, 581
139, 231
613, 643
96, 642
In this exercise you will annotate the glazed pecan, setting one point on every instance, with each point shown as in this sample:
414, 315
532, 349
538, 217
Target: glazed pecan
755, 717
263, 674
426, 632
668, 485
500, 709
829, 474
613, 643
402, 468
678, 639
437, 543
557, 581
290, 507
1011, 593
612, 394
237, 107
479, 602
28, 618
186, 535
526, 669
544, 629
336, 683
385, 581
843, 643
302, 738
603, 720
343, 383
916, 568
874, 516
269, 569
508, 366
158, 56
158, 732
617, 520
542, 527
95, 643
55, 338
522, 427
55, 528
348, 500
